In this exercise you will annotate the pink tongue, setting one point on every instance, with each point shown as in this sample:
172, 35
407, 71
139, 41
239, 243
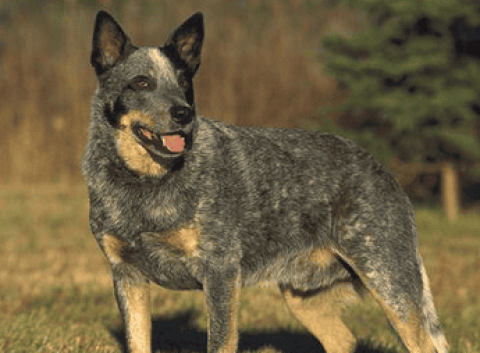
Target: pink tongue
174, 143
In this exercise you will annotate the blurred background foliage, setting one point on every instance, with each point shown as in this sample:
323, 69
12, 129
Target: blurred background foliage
415, 71
399, 77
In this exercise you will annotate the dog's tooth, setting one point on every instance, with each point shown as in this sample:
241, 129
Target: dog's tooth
147, 134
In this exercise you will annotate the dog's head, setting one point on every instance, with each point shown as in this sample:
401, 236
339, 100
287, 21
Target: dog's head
146, 93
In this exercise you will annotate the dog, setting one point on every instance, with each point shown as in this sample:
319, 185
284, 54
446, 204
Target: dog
191, 203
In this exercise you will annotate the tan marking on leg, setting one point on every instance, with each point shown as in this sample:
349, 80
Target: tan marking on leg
321, 257
410, 329
138, 322
321, 316
430, 315
132, 292
113, 248
185, 239
134, 154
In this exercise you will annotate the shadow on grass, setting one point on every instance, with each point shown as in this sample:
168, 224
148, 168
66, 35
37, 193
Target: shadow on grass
178, 334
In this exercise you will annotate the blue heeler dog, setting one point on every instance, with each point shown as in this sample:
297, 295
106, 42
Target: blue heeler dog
188, 202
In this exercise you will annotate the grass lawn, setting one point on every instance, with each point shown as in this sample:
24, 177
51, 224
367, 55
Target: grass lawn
56, 295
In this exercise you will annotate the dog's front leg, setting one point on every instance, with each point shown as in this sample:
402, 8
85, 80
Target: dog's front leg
132, 291
222, 291
133, 298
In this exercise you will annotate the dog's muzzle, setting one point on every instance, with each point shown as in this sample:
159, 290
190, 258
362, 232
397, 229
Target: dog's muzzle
167, 145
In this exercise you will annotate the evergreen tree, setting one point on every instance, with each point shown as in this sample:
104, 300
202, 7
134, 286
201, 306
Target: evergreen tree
418, 69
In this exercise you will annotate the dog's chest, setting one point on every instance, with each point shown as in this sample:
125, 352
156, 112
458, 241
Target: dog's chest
169, 259
157, 237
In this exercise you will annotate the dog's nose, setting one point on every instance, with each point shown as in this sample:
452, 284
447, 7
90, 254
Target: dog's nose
182, 115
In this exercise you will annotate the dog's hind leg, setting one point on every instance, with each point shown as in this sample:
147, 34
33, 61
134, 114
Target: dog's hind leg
420, 334
431, 322
399, 284
320, 314
374, 233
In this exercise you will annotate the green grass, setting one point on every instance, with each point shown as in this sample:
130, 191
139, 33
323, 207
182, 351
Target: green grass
56, 295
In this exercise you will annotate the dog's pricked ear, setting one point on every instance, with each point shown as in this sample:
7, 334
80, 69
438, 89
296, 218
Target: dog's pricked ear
110, 43
186, 42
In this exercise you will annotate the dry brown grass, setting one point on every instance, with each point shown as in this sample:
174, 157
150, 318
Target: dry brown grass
56, 295
260, 67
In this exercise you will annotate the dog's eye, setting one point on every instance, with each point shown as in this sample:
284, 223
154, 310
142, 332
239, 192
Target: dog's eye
143, 83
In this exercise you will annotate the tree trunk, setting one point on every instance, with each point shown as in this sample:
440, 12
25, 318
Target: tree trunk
450, 191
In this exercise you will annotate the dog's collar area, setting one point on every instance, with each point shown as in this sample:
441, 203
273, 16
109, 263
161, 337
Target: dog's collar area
164, 145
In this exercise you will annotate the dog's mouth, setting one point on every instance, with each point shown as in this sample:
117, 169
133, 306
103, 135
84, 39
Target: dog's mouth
170, 144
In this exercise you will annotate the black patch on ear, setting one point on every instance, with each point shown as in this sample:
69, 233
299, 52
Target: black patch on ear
183, 47
182, 73
186, 41
110, 44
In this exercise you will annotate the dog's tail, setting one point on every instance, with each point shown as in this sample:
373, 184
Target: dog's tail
431, 322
